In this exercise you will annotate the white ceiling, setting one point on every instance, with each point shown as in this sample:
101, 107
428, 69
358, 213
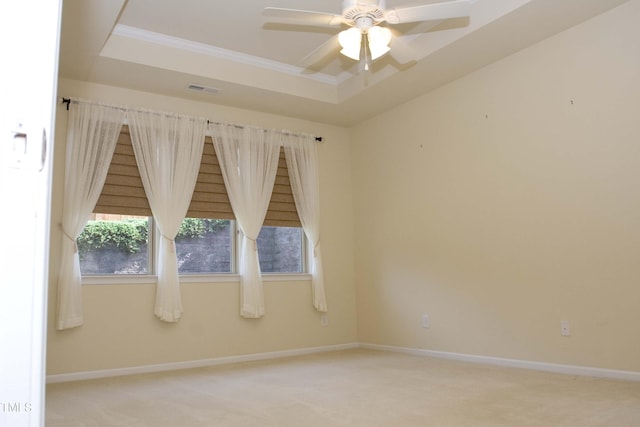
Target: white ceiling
162, 46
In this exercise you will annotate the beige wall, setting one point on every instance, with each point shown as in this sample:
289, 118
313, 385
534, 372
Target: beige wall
120, 329
507, 201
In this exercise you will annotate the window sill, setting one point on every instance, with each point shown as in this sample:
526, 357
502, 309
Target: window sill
227, 278
130, 279
119, 279
286, 277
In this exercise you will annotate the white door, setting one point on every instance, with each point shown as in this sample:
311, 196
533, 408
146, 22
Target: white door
29, 39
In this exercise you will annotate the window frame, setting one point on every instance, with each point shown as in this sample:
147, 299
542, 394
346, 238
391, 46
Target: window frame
231, 277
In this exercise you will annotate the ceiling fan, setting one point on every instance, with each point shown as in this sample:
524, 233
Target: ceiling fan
366, 40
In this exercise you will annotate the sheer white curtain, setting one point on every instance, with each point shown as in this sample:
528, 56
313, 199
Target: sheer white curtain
302, 162
92, 133
168, 151
249, 161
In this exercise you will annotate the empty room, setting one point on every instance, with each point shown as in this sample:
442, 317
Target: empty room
256, 221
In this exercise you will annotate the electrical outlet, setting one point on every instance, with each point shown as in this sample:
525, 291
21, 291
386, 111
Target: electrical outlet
564, 328
324, 320
425, 320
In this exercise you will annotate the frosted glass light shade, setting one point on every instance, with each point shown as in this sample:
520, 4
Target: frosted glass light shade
350, 41
379, 39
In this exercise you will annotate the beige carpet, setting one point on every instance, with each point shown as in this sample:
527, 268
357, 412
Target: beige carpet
349, 388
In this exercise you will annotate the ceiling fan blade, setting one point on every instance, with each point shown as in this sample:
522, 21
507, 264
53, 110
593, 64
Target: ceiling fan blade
429, 12
321, 52
303, 17
401, 51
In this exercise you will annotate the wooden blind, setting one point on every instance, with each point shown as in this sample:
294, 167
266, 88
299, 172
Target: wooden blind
282, 208
210, 198
124, 194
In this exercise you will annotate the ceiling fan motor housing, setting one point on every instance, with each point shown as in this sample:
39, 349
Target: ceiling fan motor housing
363, 13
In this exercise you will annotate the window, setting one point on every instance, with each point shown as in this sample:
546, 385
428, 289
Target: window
117, 241
281, 249
115, 244
120, 244
205, 246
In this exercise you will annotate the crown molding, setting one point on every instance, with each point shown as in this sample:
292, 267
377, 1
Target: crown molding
220, 53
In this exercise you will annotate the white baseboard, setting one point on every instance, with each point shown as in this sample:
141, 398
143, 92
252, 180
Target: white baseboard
89, 375
514, 363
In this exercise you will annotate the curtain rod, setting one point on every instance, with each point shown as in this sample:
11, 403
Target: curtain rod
68, 101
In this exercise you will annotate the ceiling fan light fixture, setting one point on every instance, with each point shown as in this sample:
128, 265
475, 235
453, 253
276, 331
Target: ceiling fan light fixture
379, 39
365, 18
350, 41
